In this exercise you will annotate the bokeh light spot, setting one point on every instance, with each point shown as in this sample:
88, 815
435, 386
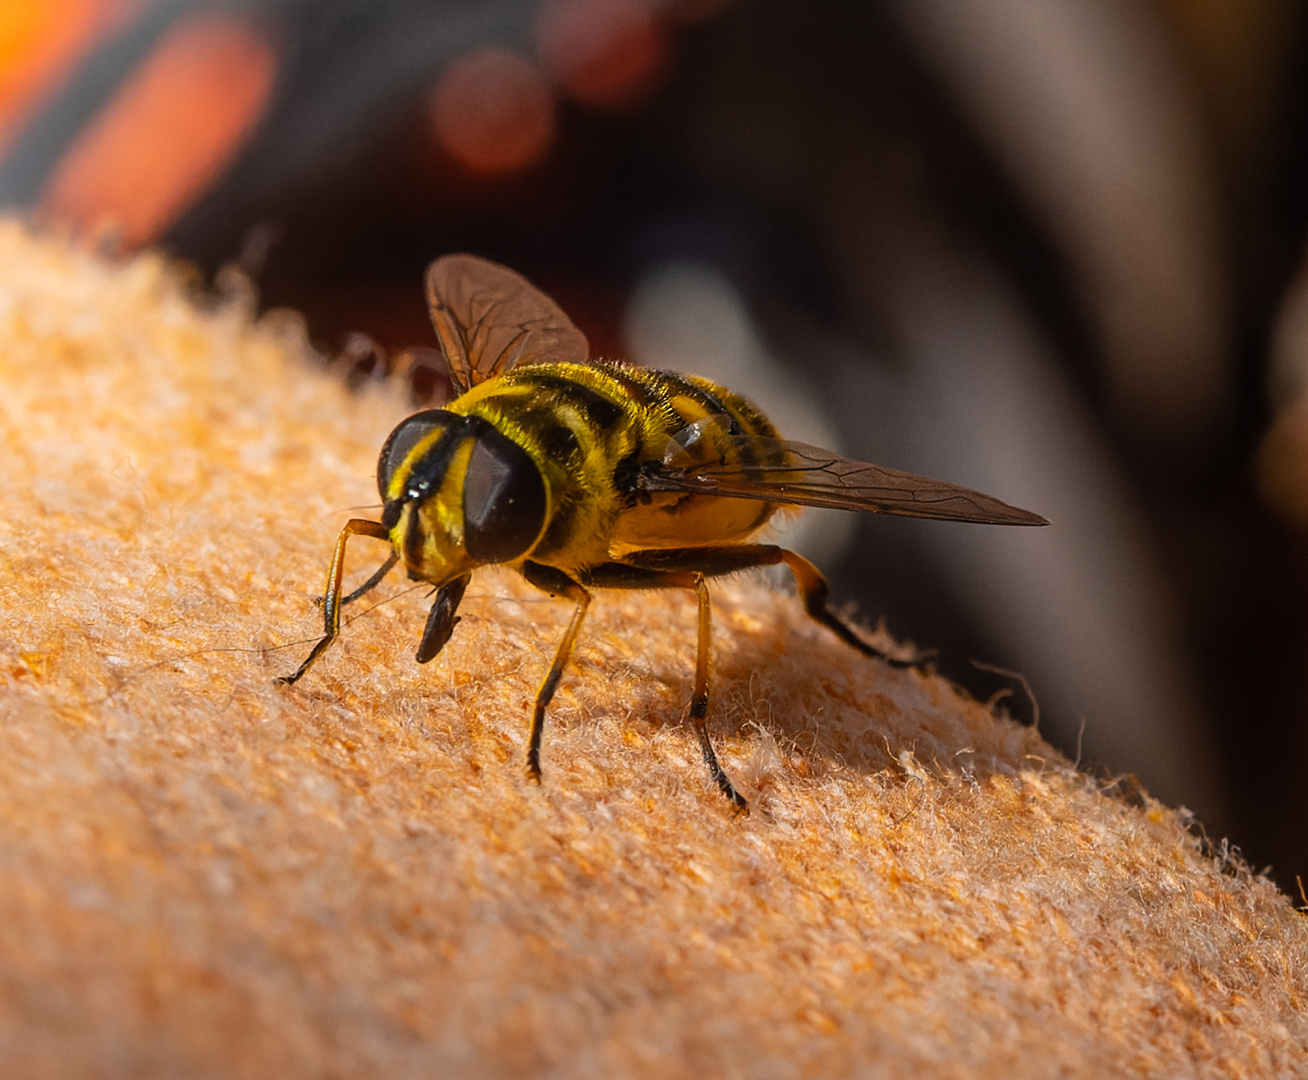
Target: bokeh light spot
494, 112
608, 54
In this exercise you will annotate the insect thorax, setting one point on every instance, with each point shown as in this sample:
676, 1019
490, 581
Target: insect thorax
589, 428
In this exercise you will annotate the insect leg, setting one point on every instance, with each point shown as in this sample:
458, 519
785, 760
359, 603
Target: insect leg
813, 588
331, 607
624, 576
373, 581
698, 712
556, 583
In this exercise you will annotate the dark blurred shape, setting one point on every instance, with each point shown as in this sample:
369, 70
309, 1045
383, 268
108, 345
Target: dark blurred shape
1085, 105
361, 360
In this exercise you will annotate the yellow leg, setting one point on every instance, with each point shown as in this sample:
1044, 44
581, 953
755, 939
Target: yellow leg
331, 607
581, 598
698, 711
627, 576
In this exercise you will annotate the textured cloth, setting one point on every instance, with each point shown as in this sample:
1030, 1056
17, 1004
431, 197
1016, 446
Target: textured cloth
206, 874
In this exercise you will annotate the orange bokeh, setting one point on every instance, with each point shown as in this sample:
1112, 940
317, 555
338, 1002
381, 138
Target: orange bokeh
494, 112
40, 41
170, 129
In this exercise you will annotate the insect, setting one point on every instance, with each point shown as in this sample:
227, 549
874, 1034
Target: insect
585, 474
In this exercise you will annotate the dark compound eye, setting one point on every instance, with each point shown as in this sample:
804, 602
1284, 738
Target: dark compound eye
503, 499
400, 443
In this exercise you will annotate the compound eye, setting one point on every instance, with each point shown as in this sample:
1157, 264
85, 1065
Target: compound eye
503, 500
400, 443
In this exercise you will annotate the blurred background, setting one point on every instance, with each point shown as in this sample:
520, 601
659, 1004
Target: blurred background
1051, 251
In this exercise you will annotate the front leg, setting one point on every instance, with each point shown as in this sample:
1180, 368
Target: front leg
331, 605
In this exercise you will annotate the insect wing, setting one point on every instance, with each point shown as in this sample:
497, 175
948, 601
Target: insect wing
490, 319
773, 470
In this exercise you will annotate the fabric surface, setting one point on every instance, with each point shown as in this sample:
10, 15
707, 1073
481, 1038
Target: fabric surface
206, 874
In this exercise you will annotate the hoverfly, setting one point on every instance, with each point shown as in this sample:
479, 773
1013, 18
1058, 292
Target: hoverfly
589, 474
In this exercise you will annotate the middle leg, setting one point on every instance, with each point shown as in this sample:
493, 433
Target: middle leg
625, 576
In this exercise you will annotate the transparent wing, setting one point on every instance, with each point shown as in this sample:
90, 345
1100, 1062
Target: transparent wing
774, 470
490, 319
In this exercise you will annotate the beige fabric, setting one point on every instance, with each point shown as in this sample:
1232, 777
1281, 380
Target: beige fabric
204, 874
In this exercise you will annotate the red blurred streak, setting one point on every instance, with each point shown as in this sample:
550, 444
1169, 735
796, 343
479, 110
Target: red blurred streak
608, 54
171, 128
494, 112
40, 42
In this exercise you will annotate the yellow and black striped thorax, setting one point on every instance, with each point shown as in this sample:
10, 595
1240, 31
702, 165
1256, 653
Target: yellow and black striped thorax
587, 429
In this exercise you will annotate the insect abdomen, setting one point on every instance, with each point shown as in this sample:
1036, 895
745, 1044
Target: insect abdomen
678, 519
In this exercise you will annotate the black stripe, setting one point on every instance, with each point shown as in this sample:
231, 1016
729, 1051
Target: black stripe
638, 391
556, 440
426, 478
601, 411
428, 472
